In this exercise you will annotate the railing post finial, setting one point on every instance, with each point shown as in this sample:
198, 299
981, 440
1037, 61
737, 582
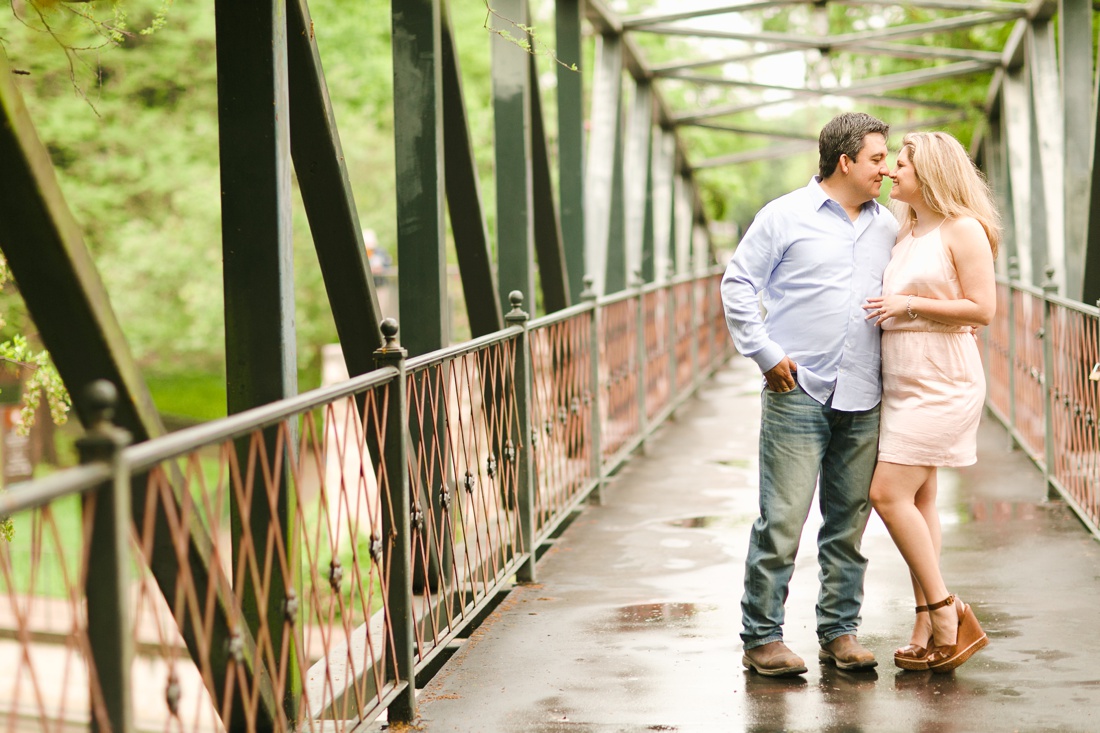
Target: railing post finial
1049, 285
589, 292
517, 315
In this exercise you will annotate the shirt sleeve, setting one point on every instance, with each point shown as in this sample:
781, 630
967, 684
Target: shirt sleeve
749, 272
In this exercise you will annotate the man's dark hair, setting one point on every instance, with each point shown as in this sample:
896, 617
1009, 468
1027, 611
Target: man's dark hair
843, 135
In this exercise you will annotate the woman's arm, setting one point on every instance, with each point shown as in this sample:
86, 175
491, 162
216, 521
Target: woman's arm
969, 249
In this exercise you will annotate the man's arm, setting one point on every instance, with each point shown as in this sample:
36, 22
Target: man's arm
748, 272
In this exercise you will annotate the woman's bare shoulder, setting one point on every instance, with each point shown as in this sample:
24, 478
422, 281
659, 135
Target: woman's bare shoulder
966, 227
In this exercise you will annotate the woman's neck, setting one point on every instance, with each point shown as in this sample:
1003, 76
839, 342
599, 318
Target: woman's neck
926, 220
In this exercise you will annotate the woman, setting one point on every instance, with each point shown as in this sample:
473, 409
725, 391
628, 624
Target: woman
938, 285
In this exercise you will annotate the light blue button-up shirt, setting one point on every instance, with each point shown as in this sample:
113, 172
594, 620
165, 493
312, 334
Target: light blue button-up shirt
812, 269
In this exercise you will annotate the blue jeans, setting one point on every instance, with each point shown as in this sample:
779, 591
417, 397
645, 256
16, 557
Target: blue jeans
800, 440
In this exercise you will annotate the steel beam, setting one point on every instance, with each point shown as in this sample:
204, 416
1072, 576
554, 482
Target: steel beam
418, 142
1091, 285
617, 277
732, 109
867, 87
328, 198
804, 144
552, 269
893, 50
637, 171
571, 140
1017, 117
664, 151
1048, 149
261, 361
641, 21
475, 260
512, 128
1076, 52
846, 41
600, 168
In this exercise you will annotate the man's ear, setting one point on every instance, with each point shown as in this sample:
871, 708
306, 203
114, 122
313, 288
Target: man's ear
844, 164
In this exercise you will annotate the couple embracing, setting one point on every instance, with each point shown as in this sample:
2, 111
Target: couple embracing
872, 380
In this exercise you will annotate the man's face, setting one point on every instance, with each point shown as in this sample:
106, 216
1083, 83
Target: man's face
866, 172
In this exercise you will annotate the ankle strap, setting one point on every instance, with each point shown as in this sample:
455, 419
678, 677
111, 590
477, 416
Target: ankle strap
945, 602
922, 609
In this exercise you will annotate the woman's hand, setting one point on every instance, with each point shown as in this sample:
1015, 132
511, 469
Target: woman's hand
891, 306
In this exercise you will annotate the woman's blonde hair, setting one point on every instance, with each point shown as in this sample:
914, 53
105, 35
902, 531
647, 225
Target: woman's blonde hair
950, 183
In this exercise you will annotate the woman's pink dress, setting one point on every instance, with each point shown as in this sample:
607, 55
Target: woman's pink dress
933, 385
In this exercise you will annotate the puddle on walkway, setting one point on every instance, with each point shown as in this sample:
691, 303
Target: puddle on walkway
663, 615
720, 521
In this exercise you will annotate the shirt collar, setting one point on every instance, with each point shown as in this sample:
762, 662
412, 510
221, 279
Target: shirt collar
819, 197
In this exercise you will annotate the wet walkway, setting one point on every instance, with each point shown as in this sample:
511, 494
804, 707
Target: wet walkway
634, 623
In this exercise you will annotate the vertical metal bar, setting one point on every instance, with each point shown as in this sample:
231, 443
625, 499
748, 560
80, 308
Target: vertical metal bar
1017, 118
599, 184
512, 147
418, 143
649, 260
670, 315
674, 223
1013, 280
1091, 287
1048, 146
328, 198
553, 275
397, 524
664, 152
594, 426
258, 266
1050, 287
418, 112
637, 166
571, 140
107, 588
640, 356
475, 260
693, 300
1076, 51
525, 476
615, 257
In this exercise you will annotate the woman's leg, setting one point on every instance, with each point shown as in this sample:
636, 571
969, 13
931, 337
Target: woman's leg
925, 501
894, 494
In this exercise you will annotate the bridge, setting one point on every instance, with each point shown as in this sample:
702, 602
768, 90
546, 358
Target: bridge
519, 510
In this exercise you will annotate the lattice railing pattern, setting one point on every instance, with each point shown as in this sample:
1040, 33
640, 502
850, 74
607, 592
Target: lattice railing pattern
686, 332
658, 351
1075, 351
283, 609
996, 355
561, 414
462, 468
1028, 366
294, 566
618, 354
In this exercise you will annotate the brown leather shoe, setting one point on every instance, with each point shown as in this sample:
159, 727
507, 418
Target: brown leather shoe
847, 653
773, 659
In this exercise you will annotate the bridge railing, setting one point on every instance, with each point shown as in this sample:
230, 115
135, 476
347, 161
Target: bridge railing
300, 564
1042, 358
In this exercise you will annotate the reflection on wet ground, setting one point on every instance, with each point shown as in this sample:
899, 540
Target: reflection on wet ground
716, 522
979, 510
653, 615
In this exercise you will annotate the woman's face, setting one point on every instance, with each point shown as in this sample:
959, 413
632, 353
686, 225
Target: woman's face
906, 189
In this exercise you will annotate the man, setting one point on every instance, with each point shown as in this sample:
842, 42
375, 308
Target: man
813, 257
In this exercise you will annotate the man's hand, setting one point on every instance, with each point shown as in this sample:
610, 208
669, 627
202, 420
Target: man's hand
780, 378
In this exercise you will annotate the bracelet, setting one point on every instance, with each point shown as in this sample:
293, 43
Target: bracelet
909, 307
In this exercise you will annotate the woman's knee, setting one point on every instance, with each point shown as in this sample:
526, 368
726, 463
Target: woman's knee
882, 499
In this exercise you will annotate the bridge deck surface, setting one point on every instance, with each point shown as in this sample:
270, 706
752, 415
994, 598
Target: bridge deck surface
633, 625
